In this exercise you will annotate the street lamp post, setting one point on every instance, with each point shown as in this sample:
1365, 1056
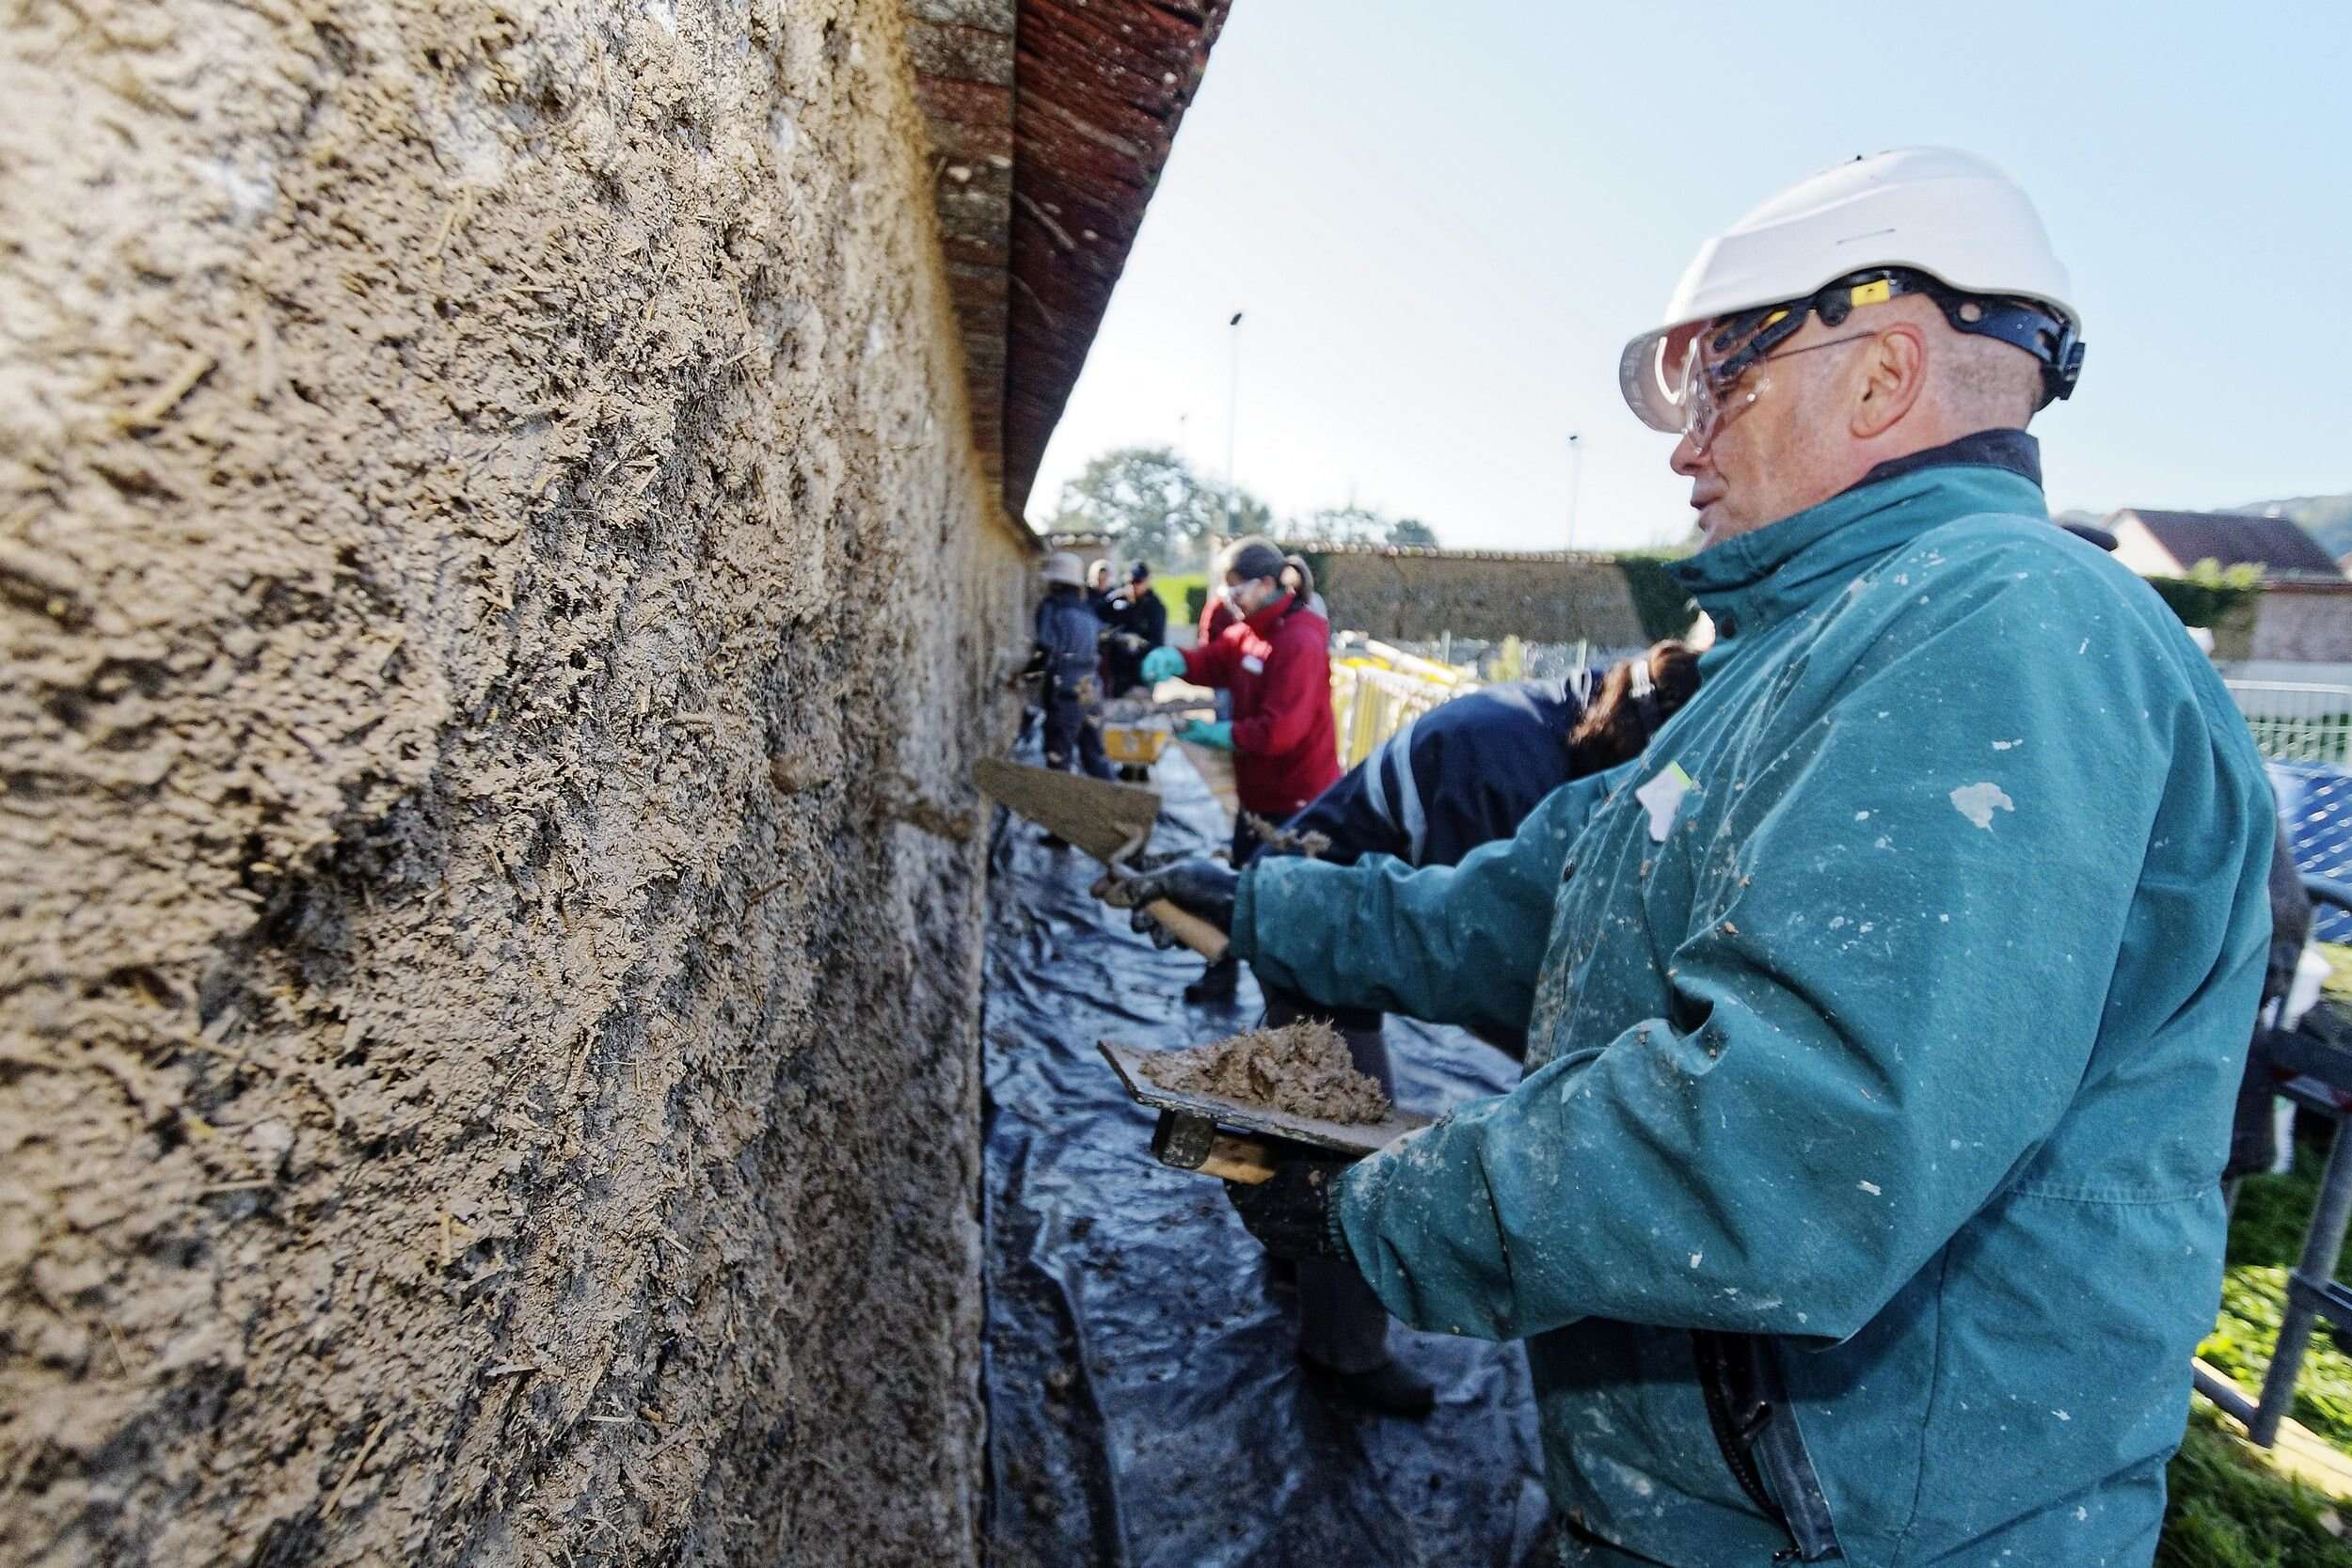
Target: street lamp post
1232, 422
1576, 483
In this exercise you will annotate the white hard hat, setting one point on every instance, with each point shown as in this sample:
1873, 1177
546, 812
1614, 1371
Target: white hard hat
1949, 215
1063, 567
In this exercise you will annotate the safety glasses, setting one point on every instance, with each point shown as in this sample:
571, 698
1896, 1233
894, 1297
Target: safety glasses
1719, 380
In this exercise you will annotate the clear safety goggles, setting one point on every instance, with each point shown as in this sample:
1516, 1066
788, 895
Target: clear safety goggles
1722, 372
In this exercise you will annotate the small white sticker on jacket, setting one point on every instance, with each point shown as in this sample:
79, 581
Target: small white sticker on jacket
1662, 795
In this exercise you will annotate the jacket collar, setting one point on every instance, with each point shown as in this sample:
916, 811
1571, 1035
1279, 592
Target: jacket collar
1263, 623
2012, 449
1783, 568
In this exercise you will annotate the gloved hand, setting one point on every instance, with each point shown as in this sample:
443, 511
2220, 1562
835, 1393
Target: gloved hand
1111, 885
1199, 886
1163, 664
1127, 641
1203, 733
1292, 1213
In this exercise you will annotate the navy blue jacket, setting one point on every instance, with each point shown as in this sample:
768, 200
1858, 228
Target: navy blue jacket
1463, 774
1141, 615
1068, 631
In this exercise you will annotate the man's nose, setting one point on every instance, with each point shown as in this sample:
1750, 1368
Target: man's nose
1689, 459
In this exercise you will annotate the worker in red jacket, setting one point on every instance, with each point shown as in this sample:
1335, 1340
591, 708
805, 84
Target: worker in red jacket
1275, 660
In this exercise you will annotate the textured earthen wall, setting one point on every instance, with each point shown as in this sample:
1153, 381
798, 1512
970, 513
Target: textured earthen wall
499, 604
1418, 597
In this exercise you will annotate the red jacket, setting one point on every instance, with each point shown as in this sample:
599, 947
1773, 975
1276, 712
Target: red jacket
1277, 665
1215, 615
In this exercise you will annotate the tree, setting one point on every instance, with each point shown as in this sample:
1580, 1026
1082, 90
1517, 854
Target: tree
1340, 524
1413, 531
1149, 501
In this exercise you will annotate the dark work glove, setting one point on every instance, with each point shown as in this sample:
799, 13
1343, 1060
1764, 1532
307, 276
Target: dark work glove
1110, 886
1198, 885
1292, 1213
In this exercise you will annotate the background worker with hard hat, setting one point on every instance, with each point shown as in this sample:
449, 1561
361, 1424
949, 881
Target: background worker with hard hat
1276, 662
1067, 656
1895, 997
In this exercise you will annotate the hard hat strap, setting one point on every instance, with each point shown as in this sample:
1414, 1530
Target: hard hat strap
1746, 339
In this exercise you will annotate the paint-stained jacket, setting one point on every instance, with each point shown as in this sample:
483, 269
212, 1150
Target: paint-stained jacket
1277, 665
1892, 1052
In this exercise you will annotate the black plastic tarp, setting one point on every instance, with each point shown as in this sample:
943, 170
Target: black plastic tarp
1145, 1404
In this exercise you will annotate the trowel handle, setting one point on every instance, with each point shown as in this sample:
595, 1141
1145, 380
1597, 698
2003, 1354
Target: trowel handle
1195, 1143
1189, 929
1231, 1159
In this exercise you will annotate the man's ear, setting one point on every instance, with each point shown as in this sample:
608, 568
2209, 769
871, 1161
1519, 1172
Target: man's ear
1895, 372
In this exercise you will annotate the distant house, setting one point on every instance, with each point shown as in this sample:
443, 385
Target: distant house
2304, 615
2169, 543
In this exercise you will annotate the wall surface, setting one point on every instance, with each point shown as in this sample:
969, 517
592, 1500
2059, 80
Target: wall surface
2304, 623
500, 604
1420, 597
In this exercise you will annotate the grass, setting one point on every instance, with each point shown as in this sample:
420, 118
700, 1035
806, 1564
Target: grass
2227, 1509
2339, 982
1171, 592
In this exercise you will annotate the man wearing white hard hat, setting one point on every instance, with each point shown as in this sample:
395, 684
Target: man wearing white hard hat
1860, 1203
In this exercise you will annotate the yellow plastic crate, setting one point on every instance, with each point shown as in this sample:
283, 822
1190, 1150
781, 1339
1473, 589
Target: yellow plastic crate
1134, 745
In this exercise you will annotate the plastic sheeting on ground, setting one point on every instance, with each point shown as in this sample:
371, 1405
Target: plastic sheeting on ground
2316, 803
1145, 1404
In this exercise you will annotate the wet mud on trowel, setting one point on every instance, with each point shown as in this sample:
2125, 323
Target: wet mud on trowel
1145, 1407
1232, 1139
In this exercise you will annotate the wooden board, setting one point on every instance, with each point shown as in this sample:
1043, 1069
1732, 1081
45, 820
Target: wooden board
1356, 1139
1216, 767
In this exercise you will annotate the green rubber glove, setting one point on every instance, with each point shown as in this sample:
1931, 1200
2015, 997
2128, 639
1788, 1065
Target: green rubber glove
1201, 732
1163, 664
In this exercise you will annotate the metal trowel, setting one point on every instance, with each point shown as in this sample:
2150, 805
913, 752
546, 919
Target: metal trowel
1109, 821
1232, 1139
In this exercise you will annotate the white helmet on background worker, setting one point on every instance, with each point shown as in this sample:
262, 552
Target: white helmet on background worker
1916, 220
1064, 567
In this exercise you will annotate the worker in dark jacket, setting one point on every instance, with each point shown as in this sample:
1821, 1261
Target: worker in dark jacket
1465, 773
1470, 770
1277, 663
1069, 636
1138, 624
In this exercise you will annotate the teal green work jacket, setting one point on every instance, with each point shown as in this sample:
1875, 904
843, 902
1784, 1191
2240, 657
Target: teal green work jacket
1884, 1020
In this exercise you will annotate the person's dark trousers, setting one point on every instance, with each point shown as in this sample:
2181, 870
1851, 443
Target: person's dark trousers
1068, 738
1218, 981
1342, 1324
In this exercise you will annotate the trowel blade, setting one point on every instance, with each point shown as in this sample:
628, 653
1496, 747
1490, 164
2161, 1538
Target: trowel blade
1098, 816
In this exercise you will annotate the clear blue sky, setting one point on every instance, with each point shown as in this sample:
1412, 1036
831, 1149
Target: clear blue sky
1443, 220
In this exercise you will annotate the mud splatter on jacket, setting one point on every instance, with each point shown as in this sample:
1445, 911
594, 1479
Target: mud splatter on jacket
1886, 1020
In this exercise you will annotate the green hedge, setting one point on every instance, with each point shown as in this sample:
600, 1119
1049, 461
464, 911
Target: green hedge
2203, 604
1664, 609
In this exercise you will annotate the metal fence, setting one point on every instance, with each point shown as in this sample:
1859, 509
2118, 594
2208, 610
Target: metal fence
1369, 704
2298, 723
